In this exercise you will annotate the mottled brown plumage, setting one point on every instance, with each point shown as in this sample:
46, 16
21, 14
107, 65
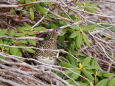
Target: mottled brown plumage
47, 56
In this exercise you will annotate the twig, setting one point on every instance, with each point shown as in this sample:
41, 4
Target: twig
10, 82
111, 1
22, 38
28, 47
38, 22
22, 5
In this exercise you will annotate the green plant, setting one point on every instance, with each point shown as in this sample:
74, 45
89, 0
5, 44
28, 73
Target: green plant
82, 71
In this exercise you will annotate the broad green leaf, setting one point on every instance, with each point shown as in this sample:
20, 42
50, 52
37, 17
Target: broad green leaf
31, 13
89, 27
31, 33
71, 82
99, 73
82, 84
39, 28
3, 32
74, 28
1, 41
2, 58
72, 46
79, 40
79, 53
32, 42
103, 82
18, 34
67, 72
73, 16
86, 61
94, 64
75, 73
87, 74
15, 51
79, 4
66, 64
11, 33
25, 27
92, 10
107, 74
111, 82
22, 1
51, 25
63, 22
40, 9
28, 1
33, 0
86, 41
71, 60
74, 34
22, 41
30, 50
109, 27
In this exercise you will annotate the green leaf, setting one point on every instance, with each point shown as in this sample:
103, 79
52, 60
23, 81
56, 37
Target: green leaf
88, 74
33, 0
111, 82
27, 1
103, 82
75, 74
86, 40
71, 60
74, 34
94, 64
15, 51
11, 32
89, 27
92, 10
27, 26
22, 41
22, 1
30, 50
3, 32
73, 16
2, 58
107, 74
79, 4
83, 84
72, 46
18, 34
74, 28
79, 40
86, 61
51, 25
40, 28
40, 9
31, 33
31, 13
32, 42
65, 64
63, 22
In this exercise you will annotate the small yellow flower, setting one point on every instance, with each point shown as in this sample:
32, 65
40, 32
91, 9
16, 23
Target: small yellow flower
80, 66
91, 84
3, 49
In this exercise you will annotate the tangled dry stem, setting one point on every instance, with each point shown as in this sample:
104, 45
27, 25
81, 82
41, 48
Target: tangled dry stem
15, 72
